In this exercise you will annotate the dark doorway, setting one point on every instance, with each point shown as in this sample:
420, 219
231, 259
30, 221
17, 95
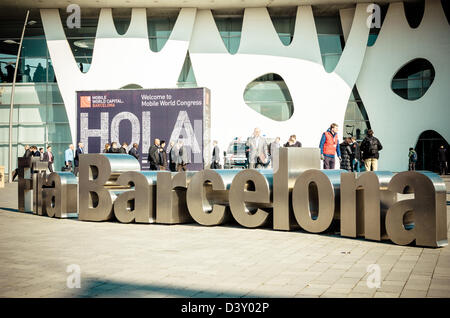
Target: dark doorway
427, 150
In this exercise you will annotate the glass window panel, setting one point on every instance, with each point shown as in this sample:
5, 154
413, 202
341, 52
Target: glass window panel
29, 94
57, 114
4, 133
350, 111
32, 133
372, 39
7, 66
82, 46
285, 39
9, 48
233, 44
330, 44
34, 47
84, 63
4, 114
269, 97
328, 24
330, 61
59, 133
54, 95
4, 155
34, 69
32, 113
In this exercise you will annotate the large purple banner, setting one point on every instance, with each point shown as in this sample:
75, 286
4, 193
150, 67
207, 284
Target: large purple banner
139, 116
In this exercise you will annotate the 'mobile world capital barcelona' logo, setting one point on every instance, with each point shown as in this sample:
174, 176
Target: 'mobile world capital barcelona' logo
85, 101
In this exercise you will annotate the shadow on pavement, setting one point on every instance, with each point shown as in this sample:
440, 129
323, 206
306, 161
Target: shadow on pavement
93, 287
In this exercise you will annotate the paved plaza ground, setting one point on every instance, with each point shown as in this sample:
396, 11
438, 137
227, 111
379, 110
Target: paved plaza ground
152, 260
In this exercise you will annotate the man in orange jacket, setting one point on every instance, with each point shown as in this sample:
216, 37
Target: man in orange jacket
329, 147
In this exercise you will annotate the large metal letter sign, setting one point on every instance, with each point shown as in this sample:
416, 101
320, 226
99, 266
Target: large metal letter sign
404, 207
428, 207
249, 186
319, 220
58, 192
199, 207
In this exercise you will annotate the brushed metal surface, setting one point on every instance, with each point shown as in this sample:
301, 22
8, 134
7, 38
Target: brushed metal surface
290, 163
249, 198
171, 207
60, 194
95, 202
201, 202
428, 207
138, 203
313, 201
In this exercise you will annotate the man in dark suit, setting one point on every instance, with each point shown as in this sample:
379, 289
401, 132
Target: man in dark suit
215, 161
27, 153
48, 156
162, 156
123, 149
114, 148
134, 151
76, 160
153, 155
173, 156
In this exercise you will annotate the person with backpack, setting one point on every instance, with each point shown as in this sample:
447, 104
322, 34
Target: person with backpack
412, 155
370, 148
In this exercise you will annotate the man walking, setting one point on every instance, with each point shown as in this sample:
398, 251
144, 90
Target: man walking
329, 147
153, 155
183, 156
48, 156
215, 160
68, 157
442, 158
370, 148
412, 159
76, 159
258, 152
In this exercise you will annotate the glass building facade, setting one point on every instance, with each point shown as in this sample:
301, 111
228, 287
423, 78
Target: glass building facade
39, 116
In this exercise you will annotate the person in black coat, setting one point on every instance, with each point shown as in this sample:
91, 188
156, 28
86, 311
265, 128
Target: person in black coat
442, 158
346, 152
292, 142
76, 160
123, 149
153, 155
162, 156
114, 148
370, 148
134, 151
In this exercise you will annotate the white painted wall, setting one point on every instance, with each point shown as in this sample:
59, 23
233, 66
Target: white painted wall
398, 122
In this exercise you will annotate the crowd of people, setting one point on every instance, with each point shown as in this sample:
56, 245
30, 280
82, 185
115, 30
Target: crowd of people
259, 153
33, 151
